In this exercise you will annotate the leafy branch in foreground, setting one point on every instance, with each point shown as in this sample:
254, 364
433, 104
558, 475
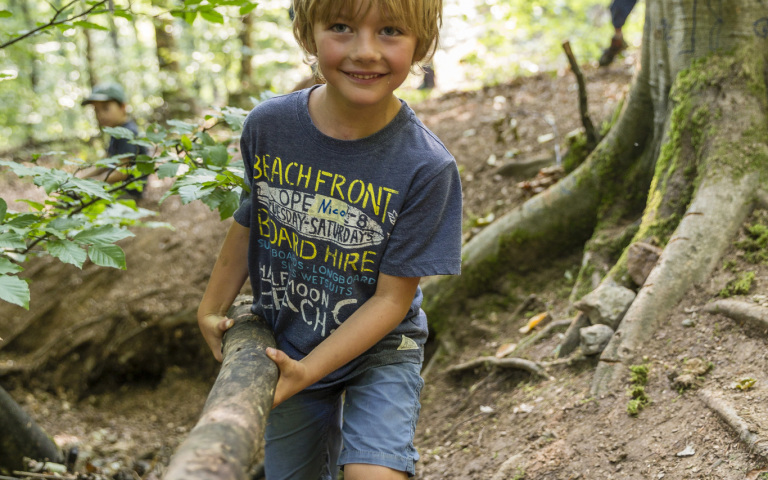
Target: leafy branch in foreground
76, 12
83, 218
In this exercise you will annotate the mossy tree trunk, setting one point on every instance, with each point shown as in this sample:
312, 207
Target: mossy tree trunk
680, 169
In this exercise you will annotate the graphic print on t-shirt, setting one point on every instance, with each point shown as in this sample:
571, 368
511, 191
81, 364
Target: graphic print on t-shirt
320, 237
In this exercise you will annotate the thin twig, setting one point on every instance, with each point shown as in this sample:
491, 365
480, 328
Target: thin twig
592, 139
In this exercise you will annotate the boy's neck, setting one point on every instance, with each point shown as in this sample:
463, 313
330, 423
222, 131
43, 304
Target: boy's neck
346, 123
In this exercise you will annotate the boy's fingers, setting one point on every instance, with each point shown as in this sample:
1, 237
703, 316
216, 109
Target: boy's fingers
226, 324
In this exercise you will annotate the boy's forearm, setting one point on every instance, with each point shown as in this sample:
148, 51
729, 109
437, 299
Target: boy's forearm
229, 273
369, 324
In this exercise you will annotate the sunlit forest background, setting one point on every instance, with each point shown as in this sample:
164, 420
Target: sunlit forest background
230, 59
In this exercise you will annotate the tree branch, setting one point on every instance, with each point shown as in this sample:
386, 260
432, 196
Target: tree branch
53, 22
585, 120
223, 443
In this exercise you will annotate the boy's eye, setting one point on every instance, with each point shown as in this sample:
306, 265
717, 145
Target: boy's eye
339, 28
391, 31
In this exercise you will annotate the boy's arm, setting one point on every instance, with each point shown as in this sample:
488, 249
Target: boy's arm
370, 323
227, 278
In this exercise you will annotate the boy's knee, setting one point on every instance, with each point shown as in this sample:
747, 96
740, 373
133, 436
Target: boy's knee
362, 471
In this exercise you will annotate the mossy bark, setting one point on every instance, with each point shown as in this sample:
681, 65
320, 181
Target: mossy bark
712, 160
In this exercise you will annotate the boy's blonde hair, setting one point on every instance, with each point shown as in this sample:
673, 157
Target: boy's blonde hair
423, 18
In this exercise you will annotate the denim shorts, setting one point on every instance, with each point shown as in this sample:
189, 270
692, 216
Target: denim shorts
310, 435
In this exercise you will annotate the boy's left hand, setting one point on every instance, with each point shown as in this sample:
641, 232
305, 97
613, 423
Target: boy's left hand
294, 376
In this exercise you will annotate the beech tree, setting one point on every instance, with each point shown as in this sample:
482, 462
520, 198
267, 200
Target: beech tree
681, 169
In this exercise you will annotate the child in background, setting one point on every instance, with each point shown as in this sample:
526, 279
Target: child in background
352, 200
109, 105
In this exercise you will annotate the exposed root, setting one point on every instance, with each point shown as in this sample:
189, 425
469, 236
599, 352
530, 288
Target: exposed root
749, 313
529, 366
727, 413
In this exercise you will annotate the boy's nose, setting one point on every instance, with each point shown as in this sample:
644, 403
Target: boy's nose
365, 49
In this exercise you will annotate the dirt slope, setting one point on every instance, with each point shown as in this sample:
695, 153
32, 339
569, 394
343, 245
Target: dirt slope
483, 424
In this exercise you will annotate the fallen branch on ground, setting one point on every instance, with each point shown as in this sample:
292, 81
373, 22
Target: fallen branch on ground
533, 339
516, 363
726, 412
225, 440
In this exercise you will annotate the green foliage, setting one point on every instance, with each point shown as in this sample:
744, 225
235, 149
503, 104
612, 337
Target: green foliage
638, 378
83, 219
755, 246
738, 286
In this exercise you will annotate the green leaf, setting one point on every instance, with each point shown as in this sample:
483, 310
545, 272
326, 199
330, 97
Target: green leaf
5, 14
246, 9
234, 117
3, 209
12, 241
22, 221
103, 235
190, 17
119, 132
91, 25
14, 290
90, 187
63, 224
182, 127
107, 256
167, 170
206, 139
186, 143
216, 155
123, 14
228, 205
212, 16
7, 266
67, 252
51, 180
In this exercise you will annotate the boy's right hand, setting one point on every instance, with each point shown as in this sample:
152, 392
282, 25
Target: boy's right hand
213, 328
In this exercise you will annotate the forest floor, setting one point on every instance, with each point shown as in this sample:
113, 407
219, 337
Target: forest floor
485, 423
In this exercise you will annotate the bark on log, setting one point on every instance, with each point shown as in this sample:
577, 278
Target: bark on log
227, 437
21, 437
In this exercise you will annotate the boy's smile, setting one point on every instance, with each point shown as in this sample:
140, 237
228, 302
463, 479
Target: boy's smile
364, 56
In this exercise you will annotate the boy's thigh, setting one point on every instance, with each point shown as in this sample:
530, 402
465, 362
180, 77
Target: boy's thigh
303, 437
381, 408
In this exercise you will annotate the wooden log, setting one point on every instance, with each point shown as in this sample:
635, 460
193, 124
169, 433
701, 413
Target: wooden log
21, 437
223, 444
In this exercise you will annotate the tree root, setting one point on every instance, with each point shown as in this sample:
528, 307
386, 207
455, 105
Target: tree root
715, 215
728, 414
749, 313
529, 366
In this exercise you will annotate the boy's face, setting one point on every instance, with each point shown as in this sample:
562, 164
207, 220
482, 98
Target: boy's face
110, 113
364, 55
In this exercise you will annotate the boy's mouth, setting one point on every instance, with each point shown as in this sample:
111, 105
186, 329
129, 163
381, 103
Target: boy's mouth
364, 76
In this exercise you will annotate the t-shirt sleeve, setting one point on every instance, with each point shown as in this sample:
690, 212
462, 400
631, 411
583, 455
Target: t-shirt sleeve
243, 213
426, 239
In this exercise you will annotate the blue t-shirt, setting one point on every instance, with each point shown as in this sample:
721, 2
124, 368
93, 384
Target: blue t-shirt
327, 215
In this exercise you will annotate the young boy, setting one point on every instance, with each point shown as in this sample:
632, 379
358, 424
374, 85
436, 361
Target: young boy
352, 199
109, 104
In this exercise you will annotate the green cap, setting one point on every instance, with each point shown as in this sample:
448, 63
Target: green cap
104, 92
